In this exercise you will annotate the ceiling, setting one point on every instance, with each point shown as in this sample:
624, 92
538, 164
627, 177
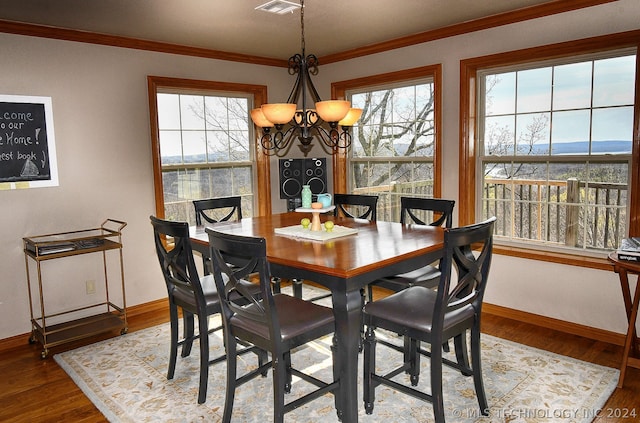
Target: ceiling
331, 26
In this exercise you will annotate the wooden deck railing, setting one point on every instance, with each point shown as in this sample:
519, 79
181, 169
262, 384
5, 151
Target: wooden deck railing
590, 215
574, 213
389, 196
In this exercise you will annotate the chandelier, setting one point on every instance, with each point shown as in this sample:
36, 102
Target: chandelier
282, 123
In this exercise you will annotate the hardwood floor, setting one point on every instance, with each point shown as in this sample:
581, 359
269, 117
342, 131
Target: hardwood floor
37, 390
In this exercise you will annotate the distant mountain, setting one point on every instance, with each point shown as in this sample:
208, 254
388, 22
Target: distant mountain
582, 147
565, 148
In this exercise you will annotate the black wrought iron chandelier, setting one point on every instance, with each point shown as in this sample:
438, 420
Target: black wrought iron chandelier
282, 123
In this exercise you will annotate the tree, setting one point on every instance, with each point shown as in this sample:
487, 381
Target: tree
395, 123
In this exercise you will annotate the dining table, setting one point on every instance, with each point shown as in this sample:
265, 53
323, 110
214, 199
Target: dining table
353, 254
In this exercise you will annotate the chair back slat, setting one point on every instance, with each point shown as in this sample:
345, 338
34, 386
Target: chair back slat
250, 261
175, 254
441, 211
203, 209
468, 249
356, 206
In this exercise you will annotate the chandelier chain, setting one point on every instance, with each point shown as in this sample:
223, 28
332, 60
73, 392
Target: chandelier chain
302, 26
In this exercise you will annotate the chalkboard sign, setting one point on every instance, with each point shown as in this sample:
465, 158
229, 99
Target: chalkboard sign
27, 143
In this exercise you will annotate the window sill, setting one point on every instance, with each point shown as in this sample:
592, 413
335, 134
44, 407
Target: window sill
593, 262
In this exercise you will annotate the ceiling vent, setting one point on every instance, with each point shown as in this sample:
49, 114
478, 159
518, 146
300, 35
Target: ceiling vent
279, 7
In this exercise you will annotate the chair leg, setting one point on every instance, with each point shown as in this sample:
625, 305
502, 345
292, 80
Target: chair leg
436, 383
230, 348
173, 350
369, 396
289, 376
370, 292
414, 360
275, 284
206, 266
296, 285
279, 381
203, 328
477, 371
188, 332
462, 353
263, 357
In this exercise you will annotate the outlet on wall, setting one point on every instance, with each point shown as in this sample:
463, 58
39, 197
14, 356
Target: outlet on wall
91, 287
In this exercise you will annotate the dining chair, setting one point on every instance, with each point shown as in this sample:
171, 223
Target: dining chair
357, 206
433, 317
276, 323
194, 295
420, 211
214, 210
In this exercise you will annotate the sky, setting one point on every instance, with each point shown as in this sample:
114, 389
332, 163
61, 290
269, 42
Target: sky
564, 94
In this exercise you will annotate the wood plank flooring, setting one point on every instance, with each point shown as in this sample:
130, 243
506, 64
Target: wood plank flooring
38, 390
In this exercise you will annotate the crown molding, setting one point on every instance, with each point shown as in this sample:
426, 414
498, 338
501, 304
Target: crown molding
506, 18
45, 31
527, 13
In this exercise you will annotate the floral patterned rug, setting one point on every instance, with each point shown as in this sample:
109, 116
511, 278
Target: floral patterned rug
125, 377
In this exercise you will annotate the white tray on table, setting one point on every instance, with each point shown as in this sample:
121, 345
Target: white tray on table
297, 231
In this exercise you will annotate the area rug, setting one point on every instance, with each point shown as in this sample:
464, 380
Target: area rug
125, 377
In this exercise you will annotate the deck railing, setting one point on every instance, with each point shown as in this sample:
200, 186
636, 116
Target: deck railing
589, 215
389, 196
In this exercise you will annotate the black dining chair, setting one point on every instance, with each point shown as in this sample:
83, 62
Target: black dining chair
356, 206
420, 211
435, 316
276, 323
194, 295
214, 210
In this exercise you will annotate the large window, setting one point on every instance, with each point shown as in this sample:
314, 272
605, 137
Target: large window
206, 149
395, 142
554, 141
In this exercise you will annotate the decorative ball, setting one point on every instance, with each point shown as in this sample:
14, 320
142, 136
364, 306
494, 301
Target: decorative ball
328, 225
305, 222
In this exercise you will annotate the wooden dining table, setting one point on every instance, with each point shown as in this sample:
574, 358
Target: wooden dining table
344, 265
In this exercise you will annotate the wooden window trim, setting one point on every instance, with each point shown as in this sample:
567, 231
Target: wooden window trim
338, 90
469, 69
262, 163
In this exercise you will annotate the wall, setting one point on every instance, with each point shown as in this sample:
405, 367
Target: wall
584, 296
101, 120
102, 134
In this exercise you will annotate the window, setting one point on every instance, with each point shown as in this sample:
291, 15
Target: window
553, 147
206, 148
395, 143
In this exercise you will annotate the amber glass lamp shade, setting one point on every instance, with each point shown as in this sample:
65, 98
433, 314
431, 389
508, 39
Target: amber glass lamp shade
351, 118
279, 113
333, 110
258, 118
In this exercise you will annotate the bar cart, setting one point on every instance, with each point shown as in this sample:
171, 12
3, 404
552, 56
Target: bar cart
94, 318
